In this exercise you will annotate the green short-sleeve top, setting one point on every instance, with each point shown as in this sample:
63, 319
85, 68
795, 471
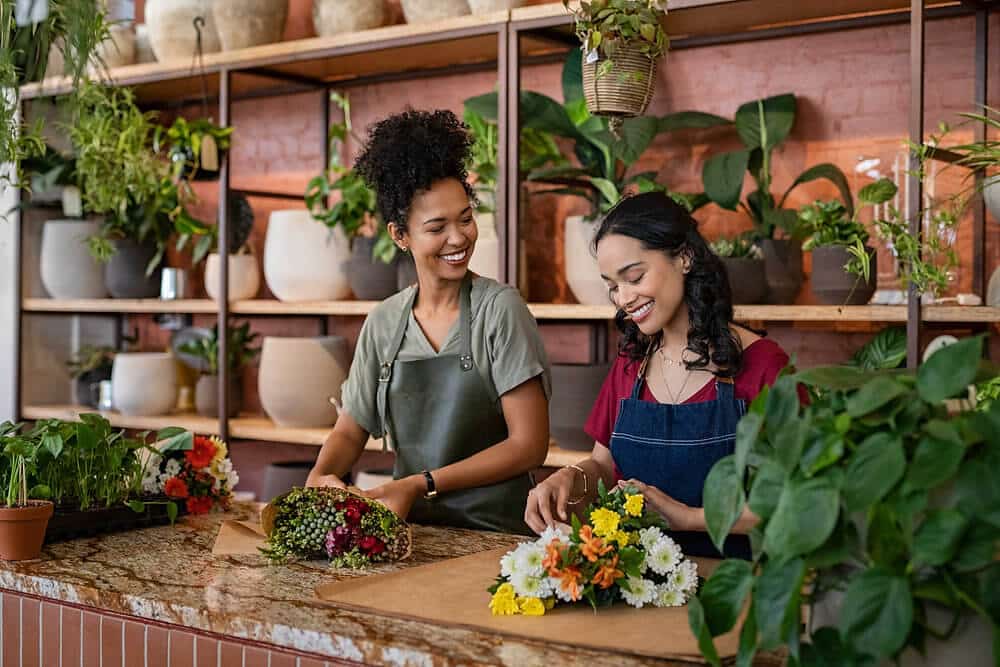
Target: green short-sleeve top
506, 347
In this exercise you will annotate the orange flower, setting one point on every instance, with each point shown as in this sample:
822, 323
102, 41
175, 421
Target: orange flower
176, 488
570, 582
552, 557
608, 574
201, 454
592, 547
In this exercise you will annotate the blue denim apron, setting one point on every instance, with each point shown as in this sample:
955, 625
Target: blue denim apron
672, 447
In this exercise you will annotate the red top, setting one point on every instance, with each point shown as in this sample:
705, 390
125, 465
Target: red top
763, 359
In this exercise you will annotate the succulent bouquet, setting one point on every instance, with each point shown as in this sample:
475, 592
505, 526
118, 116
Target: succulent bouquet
622, 552
345, 527
202, 477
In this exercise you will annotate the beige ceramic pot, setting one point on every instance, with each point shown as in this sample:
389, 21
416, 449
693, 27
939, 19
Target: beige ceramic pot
486, 257
245, 23
425, 11
331, 17
304, 260
299, 376
244, 277
489, 6
144, 384
67, 267
171, 28
582, 274
120, 47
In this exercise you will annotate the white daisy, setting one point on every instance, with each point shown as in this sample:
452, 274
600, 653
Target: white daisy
151, 481
507, 564
666, 596
173, 468
560, 533
528, 559
528, 586
664, 556
648, 537
685, 578
638, 592
232, 479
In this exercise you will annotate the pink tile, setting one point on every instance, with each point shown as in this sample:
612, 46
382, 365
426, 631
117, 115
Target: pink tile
181, 649
208, 651
51, 631
231, 655
31, 631
91, 639
135, 644
156, 646
254, 657
11, 629
112, 630
309, 662
72, 631
282, 660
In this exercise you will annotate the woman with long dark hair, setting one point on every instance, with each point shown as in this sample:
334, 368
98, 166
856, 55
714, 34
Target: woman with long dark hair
684, 375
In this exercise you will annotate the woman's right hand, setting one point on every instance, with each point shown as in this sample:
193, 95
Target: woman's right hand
315, 479
547, 502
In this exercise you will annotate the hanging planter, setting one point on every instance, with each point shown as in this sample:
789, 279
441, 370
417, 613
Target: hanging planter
623, 88
171, 28
427, 11
245, 23
332, 17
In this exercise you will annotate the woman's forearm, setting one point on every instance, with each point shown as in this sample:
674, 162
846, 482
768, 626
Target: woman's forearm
507, 459
341, 449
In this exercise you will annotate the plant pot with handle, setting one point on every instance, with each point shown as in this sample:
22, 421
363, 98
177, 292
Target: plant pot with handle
245, 23
68, 269
125, 273
747, 281
172, 32
833, 284
303, 259
244, 277
371, 279
299, 376
22, 529
426, 11
783, 269
332, 17
206, 396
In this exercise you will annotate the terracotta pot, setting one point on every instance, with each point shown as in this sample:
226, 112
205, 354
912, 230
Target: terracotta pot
303, 259
486, 257
783, 268
582, 274
332, 17
67, 267
206, 396
425, 11
833, 285
489, 6
371, 279
22, 530
171, 28
144, 384
299, 376
244, 277
125, 273
574, 390
245, 23
746, 279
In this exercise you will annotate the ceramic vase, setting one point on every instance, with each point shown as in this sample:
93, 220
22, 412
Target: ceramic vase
245, 23
172, 33
244, 277
426, 11
303, 259
67, 267
144, 384
332, 17
299, 376
582, 274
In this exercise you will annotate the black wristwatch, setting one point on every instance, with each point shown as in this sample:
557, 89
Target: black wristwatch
431, 488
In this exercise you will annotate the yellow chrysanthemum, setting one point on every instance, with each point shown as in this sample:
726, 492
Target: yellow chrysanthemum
621, 537
633, 505
221, 451
605, 521
531, 606
503, 602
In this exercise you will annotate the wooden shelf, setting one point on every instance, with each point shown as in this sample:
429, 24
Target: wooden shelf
41, 305
273, 307
191, 422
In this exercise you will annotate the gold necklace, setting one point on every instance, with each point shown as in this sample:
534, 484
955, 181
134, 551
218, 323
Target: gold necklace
663, 372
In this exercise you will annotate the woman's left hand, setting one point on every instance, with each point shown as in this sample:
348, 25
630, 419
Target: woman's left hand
678, 515
399, 494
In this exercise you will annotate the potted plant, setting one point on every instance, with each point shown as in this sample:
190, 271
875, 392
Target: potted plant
878, 509
762, 126
622, 40
244, 271
195, 148
89, 367
844, 265
240, 353
22, 519
744, 264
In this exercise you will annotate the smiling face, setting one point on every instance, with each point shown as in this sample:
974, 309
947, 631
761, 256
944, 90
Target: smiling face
647, 284
440, 232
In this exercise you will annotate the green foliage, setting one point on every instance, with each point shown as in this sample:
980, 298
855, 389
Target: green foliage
185, 139
741, 246
983, 154
90, 358
239, 349
843, 486
606, 26
987, 393
925, 262
885, 351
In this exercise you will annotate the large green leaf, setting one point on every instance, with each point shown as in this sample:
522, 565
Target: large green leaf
685, 120
806, 515
699, 628
777, 121
723, 178
747, 432
950, 370
541, 112
483, 105
572, 76
877, 612
781, 420
824, 450
938, 536
977, 548
766, 490
723, 497
776, 597
873, 469
636, 136
874, 395
878, 192
885, 351
934, 462
723, 594
977, 491
834, 378
830, 172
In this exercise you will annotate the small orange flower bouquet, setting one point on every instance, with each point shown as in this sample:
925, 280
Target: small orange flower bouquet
622, 552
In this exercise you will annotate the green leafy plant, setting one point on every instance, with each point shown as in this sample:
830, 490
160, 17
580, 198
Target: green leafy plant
762, 126
872, 490
239, 350
90, 358
988, 394
49, 170
205, 239
606, 26
736, 247
18, 457
926, 262
185, 139
885, 351
983, 154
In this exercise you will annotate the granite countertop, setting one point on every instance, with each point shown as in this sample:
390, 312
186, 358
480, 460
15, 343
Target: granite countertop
169, 574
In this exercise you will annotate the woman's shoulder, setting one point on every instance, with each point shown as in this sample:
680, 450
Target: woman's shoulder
383, 318
763, 359
490, 297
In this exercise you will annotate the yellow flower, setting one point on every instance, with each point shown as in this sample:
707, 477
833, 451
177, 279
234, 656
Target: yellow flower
633, 505
549, 603
221, 451
605, 521
503, 603
621, 537
531, 606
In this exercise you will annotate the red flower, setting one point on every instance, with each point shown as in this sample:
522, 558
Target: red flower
353, 510
202, 505
201, 455
371, 545
176, 488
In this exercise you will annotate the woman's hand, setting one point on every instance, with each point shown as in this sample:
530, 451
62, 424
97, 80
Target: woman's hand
547, 502
399, 494
678, 515
316, 479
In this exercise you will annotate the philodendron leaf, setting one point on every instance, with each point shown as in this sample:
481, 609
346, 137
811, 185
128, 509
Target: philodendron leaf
747, 432
804, 518
778, 119
834, 378
684, 120
949, 371
873, 395
776, 596
829, 172
937, 538
934, 462
878, 192
877, 612
699, 628
723, 177
873, 469
723, 594
636, 136
766, 490
723, 494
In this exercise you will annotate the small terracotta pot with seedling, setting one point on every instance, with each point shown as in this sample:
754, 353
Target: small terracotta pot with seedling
22, 520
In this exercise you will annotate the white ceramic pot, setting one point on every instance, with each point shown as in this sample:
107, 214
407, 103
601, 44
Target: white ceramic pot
299, 376
68, 270
991, 194
993, 289
303, 259
144, 384
486, 257
582, 274
425, 11
244, 277
488, 6
331, 17
245, 23
120, 47
171, 28
143, 48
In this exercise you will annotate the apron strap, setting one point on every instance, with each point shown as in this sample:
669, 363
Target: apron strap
641, 377
725, 388
465, 323
385, 370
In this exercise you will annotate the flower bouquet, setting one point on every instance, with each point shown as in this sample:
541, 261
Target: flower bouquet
620, 553
201, 476
341, 525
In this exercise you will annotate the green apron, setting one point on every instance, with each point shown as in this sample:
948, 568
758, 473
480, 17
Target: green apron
438, 411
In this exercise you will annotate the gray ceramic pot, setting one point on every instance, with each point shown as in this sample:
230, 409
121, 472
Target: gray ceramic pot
125, 273
371, 279
282, 476
783, 269
833, 285
87, 387
206, 396
747, 280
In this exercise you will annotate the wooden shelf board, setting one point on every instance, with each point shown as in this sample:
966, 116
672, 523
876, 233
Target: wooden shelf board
273, 307
41, 305
192, 422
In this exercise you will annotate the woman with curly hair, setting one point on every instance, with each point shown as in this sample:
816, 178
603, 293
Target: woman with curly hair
683, 378
450, 371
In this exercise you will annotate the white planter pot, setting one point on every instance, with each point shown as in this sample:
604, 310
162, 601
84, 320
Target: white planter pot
582, 274
171, 28
991, 194
488, 6
303, 259
486, 257
424, 11
299, 376
120, 48
245, 23
144, 384
244, 277
993, 289
143, 47
67, 268
331, 17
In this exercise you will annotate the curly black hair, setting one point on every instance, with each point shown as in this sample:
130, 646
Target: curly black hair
407, 153
660, 223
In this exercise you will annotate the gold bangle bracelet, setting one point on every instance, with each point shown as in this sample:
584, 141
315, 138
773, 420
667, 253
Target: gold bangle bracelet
574, 501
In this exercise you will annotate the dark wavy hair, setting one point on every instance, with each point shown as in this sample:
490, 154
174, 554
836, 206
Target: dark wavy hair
407, 153
660, 223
